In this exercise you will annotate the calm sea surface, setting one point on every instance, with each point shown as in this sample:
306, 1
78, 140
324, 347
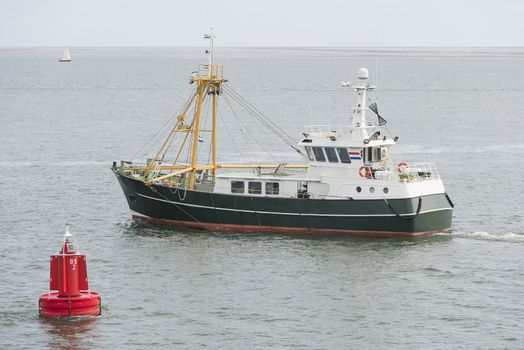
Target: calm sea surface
62, 125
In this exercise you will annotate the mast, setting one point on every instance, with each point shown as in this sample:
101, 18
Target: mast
211, 39
209, 79
214, 134
196, 133
359, 111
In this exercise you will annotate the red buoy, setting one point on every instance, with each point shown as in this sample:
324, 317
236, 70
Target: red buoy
69, 281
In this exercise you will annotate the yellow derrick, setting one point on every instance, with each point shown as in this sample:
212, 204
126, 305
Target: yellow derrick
208, 79
180, 172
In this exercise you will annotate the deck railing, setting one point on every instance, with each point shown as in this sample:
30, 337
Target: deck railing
416, 172
419, 172
215, 71
327, 129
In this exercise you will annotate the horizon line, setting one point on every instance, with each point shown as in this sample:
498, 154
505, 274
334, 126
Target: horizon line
260, 47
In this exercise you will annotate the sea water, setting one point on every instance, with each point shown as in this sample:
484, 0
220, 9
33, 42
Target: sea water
62, 125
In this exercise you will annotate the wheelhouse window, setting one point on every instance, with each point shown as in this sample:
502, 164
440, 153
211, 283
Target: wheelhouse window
237, 186
309, 153
272, 188
254, 187
377, 154
344, 155
319, 154
372, 154
331, 154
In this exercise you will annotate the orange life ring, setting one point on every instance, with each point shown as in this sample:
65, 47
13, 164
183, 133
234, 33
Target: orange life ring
367, 172
400, 166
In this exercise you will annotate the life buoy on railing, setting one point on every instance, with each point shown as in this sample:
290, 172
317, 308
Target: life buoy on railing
366, 173
401, 166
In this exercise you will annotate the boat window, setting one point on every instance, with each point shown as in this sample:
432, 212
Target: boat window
377, 154
331, 154
237, 186
309, 153
272, 187
367, 155
372, 154
344, 155
254, 187
319, 154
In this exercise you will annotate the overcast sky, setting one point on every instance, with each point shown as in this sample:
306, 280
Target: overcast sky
262, 23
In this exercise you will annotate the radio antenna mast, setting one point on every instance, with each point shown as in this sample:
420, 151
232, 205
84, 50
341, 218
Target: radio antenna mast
211, 37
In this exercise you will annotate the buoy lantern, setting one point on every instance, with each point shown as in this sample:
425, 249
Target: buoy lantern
68, 284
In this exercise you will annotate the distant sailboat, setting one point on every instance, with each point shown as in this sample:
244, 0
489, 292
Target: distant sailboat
66, 57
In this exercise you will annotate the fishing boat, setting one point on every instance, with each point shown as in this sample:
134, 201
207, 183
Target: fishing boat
348, 183
66, 56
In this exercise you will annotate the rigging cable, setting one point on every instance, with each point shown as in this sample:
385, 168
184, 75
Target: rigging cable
238, 147
267, 122
242, 127
144, 148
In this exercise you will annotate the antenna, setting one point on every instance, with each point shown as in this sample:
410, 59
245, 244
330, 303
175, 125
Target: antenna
376, 71
211, 37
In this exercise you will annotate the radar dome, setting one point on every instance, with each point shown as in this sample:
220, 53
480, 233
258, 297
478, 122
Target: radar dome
363, 74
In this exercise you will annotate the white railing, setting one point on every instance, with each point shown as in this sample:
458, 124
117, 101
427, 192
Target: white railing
327, 129
209, 71
417, 172
404, 173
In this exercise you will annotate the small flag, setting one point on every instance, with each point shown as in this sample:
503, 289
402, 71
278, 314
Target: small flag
354, 154
200, 139
207, 36
374, 108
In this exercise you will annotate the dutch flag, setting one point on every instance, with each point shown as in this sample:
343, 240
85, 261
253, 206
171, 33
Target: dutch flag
354, 154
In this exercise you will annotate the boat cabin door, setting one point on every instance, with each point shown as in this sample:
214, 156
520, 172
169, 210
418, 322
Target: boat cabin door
302, 191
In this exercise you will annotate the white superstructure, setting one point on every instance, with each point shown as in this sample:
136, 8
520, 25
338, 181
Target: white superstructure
343, 162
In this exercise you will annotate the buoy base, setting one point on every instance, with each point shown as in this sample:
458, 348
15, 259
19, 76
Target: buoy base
51, 305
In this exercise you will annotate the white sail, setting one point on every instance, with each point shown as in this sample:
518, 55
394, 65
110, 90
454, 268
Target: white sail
66, 57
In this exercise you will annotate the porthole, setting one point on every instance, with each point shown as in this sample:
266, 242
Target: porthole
359, 189
386, 190
372, 189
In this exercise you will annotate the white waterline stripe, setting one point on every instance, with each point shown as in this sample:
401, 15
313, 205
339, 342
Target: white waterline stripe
280, 213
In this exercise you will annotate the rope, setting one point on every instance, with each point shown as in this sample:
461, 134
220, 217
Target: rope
183, 198
449, 200
169, 201
216, 211
405, 217
300, 214
255, 210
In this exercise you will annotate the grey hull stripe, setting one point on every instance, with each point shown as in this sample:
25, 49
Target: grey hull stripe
280, 213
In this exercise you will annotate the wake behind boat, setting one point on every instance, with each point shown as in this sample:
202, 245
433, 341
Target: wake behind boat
349, 184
